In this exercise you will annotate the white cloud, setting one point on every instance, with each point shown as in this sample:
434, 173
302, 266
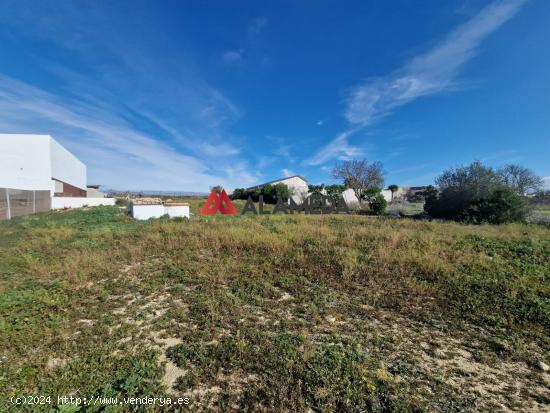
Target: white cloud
232, 56
287, 172
426, 74
218, 150
140, 115
264, 161
339, 148
118, 155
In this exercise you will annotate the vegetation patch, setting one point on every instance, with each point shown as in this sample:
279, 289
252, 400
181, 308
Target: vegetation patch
275, 313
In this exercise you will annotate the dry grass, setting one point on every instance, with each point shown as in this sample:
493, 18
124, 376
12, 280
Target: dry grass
276, 313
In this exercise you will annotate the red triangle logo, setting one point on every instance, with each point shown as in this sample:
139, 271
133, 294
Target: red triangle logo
216, 203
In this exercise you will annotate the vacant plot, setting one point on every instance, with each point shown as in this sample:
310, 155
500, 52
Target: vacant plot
276, 313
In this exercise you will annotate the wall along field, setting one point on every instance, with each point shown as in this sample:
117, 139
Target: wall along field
275, 313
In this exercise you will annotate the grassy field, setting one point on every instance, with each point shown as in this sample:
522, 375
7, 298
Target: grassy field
275, 313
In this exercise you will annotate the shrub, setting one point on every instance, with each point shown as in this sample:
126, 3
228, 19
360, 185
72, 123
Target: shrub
269, 192
476, 194
377, 202
335, 191
504, 205
239, 193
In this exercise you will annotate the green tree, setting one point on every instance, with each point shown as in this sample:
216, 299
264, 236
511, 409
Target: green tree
393, 188
282, 191
502, 206
375, 199
475, 193
239, 193
316, 189
335, 191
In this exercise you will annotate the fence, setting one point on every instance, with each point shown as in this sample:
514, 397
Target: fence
17, 202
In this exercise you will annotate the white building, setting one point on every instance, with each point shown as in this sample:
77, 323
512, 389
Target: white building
296, 183
38, 162
38, 174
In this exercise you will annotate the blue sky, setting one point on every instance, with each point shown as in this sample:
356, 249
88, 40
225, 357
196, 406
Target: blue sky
181, 95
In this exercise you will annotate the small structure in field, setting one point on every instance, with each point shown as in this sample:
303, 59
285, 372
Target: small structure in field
177, 209
147, 208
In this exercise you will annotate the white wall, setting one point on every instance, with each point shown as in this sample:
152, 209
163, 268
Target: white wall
157, 210
350, 199
95, 193
66, 167
298, 186
181, 211
352, 202
147, 211
31, 161
25, 162
60, 202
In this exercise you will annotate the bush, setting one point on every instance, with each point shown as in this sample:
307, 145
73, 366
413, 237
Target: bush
504, 205
269, 192
475, 194
239, 193
378, 204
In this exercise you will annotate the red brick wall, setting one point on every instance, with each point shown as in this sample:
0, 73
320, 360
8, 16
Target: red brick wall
70, 190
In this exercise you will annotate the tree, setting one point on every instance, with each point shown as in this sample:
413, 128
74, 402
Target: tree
239, 193
393, 188
282, 191
316, 189
359, 175
542, 197
217, 188
521, 179
377, 202
335, 191
475, 193
504, 205
268, 192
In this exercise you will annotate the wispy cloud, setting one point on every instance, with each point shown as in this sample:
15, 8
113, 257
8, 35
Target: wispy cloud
339, 148
287, 172
117, 153
232, 56
426, 74
140, 115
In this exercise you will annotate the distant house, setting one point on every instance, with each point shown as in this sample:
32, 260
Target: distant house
412, 190
296, 183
